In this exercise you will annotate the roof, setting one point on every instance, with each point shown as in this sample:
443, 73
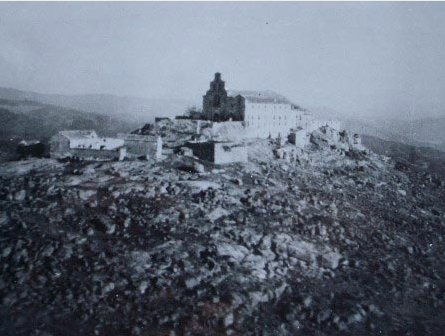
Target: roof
214, 142
260, 96
79, 134
88, 139
137, 137
29, 142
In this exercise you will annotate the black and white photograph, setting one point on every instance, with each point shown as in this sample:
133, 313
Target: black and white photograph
222, 168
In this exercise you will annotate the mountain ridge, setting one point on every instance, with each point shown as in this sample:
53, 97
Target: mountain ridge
121, 107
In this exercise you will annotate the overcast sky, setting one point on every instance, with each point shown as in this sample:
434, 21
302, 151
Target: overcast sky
358, 58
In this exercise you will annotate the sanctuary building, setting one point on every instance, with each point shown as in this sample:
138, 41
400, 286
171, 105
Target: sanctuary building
263, 113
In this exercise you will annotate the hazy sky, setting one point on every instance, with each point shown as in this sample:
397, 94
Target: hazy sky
359, 58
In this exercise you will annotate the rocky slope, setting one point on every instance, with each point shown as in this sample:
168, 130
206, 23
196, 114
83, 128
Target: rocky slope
338, 242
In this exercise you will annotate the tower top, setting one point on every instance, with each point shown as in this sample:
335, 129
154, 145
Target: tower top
217, 75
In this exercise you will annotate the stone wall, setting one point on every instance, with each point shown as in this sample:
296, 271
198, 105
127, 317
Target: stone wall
219, 152
227, 131
139, 145
226, 153
203, 150
59, 146
299, 138
317, 123
99, 155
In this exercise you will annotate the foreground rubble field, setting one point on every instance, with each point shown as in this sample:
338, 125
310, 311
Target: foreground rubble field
328, 245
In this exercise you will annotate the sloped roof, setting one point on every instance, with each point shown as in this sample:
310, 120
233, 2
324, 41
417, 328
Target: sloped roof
137, 137
88, 139
260, 96
79, 134
29, 142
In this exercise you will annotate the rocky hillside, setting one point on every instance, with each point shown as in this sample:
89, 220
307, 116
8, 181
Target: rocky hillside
338, 242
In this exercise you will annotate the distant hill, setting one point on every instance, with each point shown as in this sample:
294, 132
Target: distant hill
421, 159
43, 120
33, 120
119, 107
32, 115
422, 132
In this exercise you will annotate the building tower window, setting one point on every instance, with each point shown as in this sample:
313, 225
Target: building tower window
216, 101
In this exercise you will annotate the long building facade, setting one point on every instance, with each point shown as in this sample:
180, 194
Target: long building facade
87, 145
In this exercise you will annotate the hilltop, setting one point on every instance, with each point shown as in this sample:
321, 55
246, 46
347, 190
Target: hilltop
339, 242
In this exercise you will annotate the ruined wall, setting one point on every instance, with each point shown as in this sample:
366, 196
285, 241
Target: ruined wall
142, 145
299, 138
138, 148
33, 149
229, 153
315, 124
219, 152
151, 149
100, 155
227, 131
203, 150
59, 146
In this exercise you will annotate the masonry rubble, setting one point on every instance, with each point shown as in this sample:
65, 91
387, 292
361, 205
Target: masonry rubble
274, 240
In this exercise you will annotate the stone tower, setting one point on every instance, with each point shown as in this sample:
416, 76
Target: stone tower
218, 106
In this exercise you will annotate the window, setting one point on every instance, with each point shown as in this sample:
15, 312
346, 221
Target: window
216, 101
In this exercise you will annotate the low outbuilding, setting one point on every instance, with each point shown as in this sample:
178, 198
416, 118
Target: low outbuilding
30, 148
298, 138
87, 145
138, 145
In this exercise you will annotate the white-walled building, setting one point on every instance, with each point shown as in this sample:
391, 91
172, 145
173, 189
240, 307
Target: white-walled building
87, 145
268, 114
262, 113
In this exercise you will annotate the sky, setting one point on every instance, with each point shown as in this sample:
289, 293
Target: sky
361, 59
